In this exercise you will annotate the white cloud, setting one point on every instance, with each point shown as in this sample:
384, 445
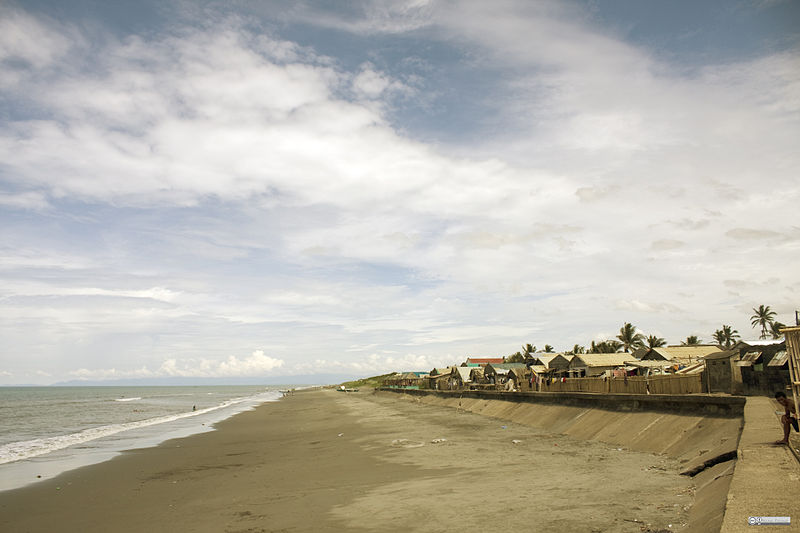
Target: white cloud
201, 191
255, 365
26, 200
154, 293
35, 41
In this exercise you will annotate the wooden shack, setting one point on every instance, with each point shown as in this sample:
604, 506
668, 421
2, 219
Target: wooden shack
555, 362
498, 372
722, 374
597, 364
462, 376
680, 354
406, 380
763, 365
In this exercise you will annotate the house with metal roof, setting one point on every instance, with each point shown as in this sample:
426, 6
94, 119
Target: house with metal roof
684, 355
763, 365
495, 372
596, 364
556, 362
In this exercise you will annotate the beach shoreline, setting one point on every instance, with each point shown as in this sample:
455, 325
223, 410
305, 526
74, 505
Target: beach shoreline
58, 436
324, 461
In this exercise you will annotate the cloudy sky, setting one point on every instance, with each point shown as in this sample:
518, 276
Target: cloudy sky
282, 187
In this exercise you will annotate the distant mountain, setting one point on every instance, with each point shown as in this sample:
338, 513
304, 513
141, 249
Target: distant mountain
310, 379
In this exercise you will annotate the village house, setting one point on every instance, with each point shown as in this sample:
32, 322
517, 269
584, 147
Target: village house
476, 374
405, 380
555, 362
597, 364
763, 364
520, 376
462, 376
679, 354
498, 372
439, 379
651, 367
721, 372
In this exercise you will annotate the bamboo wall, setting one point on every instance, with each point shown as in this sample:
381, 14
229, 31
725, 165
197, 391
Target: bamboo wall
681, 384
668, 384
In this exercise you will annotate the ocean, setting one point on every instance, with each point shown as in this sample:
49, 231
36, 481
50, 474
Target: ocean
48, 430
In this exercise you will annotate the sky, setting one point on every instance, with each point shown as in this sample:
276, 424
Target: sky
282, 188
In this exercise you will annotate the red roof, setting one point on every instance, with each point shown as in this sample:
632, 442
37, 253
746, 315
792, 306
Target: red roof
484, 360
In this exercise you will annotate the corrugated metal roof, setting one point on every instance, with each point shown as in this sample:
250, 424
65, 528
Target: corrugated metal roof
601, 359
722, 355
749, 359
686, 352
760, 342
780, 359
650, 364
545, 358
484, 360
751, 356
692, 369
548, 359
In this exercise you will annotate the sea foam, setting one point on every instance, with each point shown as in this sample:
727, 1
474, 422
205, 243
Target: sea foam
16, 451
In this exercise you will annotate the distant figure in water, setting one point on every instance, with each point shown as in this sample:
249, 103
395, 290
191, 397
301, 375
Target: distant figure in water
194, 408
789, 417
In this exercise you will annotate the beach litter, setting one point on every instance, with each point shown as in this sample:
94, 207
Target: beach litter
438, 441
340, 435
516, 441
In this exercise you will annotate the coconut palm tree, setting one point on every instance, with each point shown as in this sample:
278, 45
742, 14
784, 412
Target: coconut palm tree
691, 340
764, 317
578, 349
726, 336
528, 350
775, 329
655, 342
630, 338
609, 346
548, 349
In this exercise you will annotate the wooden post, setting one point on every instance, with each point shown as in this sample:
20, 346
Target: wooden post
792, 336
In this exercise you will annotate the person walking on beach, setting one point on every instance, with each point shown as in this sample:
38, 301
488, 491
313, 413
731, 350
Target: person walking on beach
789, 417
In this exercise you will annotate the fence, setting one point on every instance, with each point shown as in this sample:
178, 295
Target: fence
668, 384
684, 384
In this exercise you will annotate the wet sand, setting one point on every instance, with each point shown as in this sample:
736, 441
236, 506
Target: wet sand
325, 461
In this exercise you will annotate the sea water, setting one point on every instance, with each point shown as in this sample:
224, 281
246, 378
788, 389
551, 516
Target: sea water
47, 430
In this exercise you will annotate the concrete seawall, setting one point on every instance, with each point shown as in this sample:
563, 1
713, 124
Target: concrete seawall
700, 431
705, 404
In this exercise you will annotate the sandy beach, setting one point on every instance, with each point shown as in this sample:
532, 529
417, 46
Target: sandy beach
325, 461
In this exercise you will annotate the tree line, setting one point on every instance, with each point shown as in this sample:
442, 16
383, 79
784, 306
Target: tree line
630, 338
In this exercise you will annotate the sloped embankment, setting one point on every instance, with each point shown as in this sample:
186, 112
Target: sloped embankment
694, 430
